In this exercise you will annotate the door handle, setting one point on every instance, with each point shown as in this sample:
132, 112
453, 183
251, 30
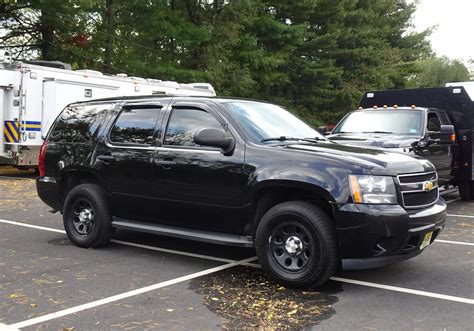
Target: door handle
165, 164
105, 158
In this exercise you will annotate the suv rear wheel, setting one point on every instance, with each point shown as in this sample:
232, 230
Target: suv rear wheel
86, 216
296, 244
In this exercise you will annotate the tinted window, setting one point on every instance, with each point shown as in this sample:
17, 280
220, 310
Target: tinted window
78, 123
135, 126
184, 123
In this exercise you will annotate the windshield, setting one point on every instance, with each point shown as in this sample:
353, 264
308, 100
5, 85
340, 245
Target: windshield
395, 122
262, 121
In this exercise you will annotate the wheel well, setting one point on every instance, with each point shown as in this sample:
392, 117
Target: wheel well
72, 179
268, 198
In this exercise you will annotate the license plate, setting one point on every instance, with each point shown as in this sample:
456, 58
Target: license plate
426, 240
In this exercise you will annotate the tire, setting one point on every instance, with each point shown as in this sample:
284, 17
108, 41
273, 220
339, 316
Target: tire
466, 190
86, 216
302, 234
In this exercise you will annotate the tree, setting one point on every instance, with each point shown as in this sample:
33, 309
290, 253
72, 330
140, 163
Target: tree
437, 71
316, 57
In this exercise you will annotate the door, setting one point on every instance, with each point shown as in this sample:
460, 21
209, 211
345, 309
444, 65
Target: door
124, 159
440, 154
199, 187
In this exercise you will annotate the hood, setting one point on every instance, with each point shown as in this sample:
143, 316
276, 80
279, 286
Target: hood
375, 140
369, 160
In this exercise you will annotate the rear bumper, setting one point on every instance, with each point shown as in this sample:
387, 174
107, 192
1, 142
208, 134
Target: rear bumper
372, 236
48, 191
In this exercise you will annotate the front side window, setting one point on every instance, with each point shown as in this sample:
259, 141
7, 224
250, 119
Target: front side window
382, 121
433, 123
78, 124
135, 126
184, 122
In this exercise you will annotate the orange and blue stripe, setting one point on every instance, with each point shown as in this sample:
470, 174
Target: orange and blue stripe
11, 129
32, 126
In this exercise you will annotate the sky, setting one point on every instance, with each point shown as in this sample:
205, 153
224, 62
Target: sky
454, 35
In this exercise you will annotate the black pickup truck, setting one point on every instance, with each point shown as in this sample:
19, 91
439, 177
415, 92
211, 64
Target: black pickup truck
434, 123
236, 172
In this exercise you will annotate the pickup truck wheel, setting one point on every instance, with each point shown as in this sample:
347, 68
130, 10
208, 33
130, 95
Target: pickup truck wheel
86, 216
466, 190
296, 244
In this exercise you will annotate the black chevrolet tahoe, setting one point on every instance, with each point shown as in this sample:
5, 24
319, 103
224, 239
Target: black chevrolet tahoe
236, 172
434, 123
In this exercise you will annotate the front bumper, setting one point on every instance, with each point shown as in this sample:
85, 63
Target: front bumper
371, 236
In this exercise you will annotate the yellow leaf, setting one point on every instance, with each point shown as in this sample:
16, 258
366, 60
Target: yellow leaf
294, 311
214, 299
34, 305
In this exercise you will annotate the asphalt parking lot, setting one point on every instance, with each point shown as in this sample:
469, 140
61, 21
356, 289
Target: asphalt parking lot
146, 282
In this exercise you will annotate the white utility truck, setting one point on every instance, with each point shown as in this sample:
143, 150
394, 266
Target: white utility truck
33, 94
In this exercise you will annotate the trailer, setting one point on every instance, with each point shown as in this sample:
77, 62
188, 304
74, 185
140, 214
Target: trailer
33, 94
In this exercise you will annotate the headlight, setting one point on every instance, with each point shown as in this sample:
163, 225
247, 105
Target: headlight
373, 189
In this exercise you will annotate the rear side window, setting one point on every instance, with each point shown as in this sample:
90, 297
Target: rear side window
135, 126
78, 124
184, 123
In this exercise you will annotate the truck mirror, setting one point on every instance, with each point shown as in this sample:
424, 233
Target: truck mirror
447, 134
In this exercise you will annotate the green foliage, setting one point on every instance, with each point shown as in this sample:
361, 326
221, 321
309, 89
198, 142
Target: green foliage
315, 57
437, 71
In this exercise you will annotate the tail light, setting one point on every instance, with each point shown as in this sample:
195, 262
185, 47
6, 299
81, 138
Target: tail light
42, 154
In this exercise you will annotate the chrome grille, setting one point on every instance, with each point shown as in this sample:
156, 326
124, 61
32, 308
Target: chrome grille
415, 192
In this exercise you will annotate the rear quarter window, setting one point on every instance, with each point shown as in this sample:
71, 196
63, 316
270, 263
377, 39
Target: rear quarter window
78, 124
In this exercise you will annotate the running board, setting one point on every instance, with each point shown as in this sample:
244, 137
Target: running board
185, 233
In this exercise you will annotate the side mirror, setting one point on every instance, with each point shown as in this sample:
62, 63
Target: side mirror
213, 137
447, 134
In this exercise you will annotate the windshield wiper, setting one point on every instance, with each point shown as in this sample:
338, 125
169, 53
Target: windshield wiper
281, 138
315, 139
377, 132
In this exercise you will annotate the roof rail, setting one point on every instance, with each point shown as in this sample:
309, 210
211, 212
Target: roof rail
51, 64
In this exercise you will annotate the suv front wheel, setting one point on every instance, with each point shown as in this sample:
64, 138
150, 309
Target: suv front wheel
296, 244
86, 216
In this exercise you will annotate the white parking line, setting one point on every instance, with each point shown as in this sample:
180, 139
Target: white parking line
404, 290
125, 295
454, 242
456, 215
32, 226
230, 262
121, 242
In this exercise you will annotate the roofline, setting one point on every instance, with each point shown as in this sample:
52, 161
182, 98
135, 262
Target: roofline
394, 108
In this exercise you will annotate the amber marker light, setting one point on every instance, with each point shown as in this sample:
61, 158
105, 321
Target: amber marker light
453, 138
355, 189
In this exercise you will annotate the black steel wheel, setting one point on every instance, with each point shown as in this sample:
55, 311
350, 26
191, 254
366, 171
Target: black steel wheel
296, 244
291, 246
86, 216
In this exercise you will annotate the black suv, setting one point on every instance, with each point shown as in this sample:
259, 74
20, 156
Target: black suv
236, 172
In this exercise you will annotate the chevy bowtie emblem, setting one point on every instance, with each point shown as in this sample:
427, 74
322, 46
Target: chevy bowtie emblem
428, 186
